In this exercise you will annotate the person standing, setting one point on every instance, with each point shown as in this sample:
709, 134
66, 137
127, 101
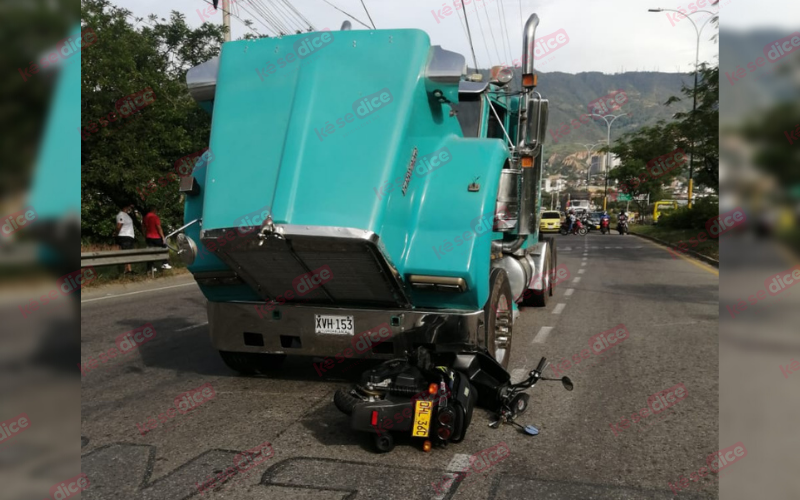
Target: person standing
154, 234
124, 232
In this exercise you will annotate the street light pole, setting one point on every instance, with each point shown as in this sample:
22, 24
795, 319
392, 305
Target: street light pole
608, 153
589, 148
694, 92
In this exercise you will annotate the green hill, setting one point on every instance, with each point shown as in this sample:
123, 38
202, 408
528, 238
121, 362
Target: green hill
570, 96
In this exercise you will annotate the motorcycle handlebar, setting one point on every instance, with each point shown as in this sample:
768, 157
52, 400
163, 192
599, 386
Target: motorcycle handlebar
542, 362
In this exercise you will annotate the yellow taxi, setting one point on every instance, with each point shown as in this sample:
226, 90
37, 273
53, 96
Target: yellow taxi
551, 221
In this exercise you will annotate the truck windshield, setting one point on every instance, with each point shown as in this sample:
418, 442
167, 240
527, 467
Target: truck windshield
468, 111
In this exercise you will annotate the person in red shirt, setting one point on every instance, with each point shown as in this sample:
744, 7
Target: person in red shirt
153, 234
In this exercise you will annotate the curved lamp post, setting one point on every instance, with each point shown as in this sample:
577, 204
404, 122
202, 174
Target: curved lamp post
608, 153
694, 98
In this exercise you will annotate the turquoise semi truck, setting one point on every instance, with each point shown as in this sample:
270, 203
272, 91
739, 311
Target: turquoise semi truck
360, 185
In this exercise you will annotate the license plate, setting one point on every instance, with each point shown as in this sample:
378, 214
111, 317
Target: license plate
422, 418
340, 325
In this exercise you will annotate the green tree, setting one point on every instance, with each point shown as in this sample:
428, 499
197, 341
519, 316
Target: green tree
28, 31
702, 126
635, 151
120, 158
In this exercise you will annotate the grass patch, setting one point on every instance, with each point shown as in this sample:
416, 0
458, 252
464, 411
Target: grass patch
709, 247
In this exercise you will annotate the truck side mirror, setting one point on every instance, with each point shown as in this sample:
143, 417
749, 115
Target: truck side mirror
536, 121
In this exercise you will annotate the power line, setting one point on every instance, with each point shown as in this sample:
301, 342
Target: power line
302, 17
483, 35
240, 19
469, 34
491, 31
504, 27
348, 15
274, 21
369, 16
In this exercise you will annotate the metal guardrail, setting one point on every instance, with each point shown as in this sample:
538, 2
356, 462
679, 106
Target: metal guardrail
117, 257
16, 254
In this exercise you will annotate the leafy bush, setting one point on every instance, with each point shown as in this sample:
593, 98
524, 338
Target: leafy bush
690, 218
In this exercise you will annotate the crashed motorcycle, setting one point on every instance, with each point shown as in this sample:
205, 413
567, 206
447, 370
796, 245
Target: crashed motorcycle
577, 228
430, 396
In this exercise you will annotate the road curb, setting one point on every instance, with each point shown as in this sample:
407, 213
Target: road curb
699, 256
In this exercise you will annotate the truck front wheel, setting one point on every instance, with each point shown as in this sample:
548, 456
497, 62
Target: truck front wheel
498, 317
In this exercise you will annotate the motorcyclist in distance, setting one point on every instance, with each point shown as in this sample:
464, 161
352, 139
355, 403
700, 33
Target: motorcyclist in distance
570, 221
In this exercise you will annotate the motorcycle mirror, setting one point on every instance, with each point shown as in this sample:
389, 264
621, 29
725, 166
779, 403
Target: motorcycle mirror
567, 383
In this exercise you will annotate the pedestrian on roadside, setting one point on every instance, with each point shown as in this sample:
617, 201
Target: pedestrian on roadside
124, 232
154, 234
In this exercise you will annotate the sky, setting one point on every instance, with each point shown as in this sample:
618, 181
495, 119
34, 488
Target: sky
609, 36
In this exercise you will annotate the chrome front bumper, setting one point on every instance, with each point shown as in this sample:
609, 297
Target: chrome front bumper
289, 329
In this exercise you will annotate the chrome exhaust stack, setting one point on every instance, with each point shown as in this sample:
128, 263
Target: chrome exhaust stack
528, 37
533, 120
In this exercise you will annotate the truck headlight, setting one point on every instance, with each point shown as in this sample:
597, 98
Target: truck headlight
187, 249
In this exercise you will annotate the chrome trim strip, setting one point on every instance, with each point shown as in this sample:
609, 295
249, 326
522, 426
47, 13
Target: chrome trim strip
228, 321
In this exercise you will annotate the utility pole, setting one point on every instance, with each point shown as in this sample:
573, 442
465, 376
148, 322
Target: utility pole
226, 19
694, 93
608, 154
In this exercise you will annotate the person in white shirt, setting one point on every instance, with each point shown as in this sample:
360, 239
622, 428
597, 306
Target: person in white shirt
124, 232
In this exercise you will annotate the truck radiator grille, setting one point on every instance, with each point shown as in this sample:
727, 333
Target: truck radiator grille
359, 273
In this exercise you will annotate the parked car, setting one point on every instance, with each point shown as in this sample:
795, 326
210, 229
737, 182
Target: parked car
551, 222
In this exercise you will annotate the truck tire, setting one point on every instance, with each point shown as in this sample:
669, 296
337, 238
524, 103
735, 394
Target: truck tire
252, 363
344, 401
498, 317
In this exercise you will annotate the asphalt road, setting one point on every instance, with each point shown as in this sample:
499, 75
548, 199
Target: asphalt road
668, 305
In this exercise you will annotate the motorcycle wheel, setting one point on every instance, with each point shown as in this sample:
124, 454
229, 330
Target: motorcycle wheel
582, 231
563, 231
384, 443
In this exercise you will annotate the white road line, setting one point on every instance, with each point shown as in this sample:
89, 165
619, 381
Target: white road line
581, 271
569, 291
542, 335
190, 327
459, 463
583, 263
140, 291
558, 308
577, 280
618, 248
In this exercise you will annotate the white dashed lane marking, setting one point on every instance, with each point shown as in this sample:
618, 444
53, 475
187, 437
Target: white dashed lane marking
190, 327
542, 335
581, 271
577, 280
569, 291
558, 308
459, 463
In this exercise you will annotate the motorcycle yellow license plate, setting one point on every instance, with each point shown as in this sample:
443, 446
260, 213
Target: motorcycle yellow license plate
422, 419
